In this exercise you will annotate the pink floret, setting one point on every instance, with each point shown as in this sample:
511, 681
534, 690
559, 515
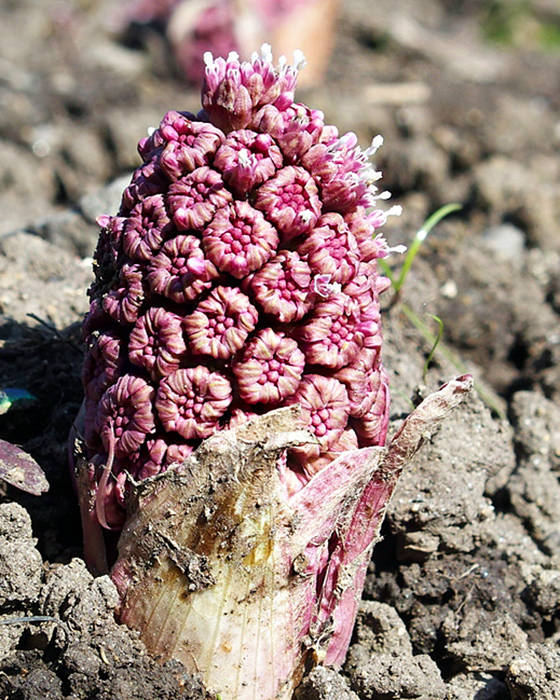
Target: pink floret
371, 428
181, 143
220, 324
309, 466
270, 368
234, 91
247, 159
333, 336
191, 401
124, 303
146, 228
180, 270
295, 129
324, 404
103, 364
239, 240
330, 249
125, 415
290, 201
147, 180
282, 287
194, 199
156, 342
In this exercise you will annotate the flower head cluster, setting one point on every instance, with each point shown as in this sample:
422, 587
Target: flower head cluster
238, 276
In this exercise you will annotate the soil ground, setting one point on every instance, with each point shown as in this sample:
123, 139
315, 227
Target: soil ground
462, 599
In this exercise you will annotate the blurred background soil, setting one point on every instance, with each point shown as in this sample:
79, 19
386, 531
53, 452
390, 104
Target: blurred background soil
463, 595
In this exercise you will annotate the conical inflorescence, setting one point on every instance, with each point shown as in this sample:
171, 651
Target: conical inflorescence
238, 276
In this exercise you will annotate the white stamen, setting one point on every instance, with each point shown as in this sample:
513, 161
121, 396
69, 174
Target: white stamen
299, 60
266, 53
376, 144
245, 158
395, 210
208, 59
370, 174
233, 56
151, 130
306, 215
383, 195
327, 287
399, 249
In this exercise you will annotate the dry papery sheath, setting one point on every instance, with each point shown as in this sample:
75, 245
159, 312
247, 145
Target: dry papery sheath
236, 405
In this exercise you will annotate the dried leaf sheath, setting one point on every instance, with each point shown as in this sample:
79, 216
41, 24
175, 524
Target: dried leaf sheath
212, 564
218, 567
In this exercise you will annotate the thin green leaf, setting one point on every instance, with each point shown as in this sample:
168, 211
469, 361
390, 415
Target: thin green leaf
386, 270
419, 238
489, 398
434, 346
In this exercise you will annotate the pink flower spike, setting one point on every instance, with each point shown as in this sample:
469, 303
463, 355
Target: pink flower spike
180, 271
125, 415
332, 337
124, 303
146, 228
247, 159
147, 180
191, 401
330, 249
270, 368
324, 403
194, 199
282, 287
239, 240
220, 324
156, 342
371, 428
290, 201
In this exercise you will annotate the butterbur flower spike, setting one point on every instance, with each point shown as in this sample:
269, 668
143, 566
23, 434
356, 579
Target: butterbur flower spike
236, 404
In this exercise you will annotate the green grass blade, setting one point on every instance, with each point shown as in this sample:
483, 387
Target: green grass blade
488, 396
420, 237
439, 336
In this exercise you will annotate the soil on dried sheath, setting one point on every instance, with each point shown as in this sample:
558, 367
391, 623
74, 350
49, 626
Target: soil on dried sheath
462, 599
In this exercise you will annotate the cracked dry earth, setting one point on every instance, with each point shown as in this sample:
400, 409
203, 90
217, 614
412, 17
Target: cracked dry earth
462, 599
